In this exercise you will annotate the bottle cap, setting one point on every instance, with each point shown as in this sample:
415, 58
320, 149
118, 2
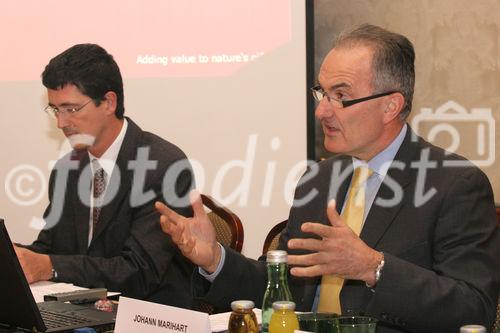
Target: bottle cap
284, 305
277, 256
472, 329
242, 305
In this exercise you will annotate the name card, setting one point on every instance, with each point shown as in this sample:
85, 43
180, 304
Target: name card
140, 316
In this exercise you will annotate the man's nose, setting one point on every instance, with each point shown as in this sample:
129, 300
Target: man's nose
62, 121
324, 109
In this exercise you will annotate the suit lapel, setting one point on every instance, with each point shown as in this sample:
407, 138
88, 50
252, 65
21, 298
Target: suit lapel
340, 195
379, 217
121, 179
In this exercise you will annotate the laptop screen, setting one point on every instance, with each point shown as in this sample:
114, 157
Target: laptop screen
17, 306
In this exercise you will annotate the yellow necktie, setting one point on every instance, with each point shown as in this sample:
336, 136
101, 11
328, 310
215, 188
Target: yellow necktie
354, 209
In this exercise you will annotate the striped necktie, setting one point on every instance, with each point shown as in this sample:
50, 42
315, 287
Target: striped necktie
99, 187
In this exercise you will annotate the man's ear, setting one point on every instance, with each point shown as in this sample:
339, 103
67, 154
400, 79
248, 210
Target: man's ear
110, 102
394, 107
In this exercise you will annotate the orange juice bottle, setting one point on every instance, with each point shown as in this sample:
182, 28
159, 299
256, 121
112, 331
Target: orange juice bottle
283, 319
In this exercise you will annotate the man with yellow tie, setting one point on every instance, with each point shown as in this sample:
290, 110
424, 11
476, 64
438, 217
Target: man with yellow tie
391, 227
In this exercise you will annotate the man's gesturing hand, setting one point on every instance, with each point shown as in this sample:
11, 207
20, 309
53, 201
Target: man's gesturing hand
195, 236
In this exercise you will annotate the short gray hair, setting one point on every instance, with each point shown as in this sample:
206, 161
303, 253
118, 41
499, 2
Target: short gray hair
393, 60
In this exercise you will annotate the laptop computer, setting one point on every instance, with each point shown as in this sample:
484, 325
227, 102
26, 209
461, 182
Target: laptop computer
19, 311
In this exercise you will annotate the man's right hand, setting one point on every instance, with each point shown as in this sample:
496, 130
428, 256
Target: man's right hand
195, 236
36, 266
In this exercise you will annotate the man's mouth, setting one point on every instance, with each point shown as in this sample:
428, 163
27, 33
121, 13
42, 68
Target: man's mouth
69, 132
330, 128
80, 141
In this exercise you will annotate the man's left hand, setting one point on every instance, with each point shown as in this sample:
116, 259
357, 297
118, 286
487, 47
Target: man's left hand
339, 252
36, 266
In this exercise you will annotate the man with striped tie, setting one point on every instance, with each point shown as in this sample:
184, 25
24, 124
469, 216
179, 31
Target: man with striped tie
101, 227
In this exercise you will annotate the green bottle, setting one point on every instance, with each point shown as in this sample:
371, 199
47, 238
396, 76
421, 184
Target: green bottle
277, 285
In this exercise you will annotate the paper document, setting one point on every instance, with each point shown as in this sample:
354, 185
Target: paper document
41, 288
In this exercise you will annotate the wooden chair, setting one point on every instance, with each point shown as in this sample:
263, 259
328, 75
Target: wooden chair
272, 239
227, 224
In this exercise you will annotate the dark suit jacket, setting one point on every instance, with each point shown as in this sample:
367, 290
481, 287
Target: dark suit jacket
441, 254
128, 253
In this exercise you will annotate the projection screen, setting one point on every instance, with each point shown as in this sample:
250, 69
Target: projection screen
225, 80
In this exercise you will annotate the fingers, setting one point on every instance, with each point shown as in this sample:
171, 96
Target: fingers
324, 231
305, 259
310, 265
306, 243
175, 230
333, 215
196, 203
314, 264
310, 271
178, 233
162, 208
166, 226
167, 214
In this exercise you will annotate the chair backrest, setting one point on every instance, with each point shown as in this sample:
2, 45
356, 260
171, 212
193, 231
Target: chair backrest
228, 227
272, 239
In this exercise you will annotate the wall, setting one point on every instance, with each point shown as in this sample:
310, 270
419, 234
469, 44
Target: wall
457, 59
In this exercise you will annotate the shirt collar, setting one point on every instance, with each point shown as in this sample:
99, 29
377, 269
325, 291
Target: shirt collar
108, 159
382, 161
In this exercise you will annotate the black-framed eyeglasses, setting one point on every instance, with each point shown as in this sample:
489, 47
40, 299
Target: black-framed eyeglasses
67, 111
319, 94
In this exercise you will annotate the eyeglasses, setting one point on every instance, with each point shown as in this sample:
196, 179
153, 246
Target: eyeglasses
319, 94
67, 111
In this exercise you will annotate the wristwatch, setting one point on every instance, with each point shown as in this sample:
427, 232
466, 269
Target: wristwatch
378, 272
54, 274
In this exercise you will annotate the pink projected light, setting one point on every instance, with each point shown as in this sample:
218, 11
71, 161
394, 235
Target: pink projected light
150, 39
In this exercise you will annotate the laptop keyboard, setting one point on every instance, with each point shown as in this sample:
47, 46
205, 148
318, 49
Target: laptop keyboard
57, 319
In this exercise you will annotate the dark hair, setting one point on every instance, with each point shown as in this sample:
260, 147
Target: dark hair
393, 60
90, 68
